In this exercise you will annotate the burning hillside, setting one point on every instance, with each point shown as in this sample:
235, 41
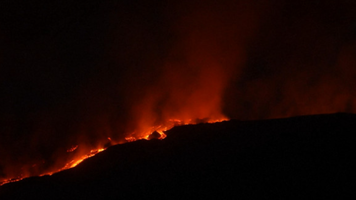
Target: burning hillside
77, 78
251, 159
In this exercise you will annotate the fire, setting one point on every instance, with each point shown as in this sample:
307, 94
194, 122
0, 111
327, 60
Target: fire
73, 148
75, 162
159, 129
155, 86
144, 136
203, 61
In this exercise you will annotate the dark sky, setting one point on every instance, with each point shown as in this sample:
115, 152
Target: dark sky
76, 72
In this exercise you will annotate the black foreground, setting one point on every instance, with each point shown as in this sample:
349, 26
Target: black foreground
288, 158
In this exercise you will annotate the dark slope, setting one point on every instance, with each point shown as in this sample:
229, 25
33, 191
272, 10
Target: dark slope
281, 158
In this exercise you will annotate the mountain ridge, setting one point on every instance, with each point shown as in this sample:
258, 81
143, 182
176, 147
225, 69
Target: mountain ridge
297, 156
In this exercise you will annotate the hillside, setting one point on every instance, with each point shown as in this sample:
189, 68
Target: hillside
279, 158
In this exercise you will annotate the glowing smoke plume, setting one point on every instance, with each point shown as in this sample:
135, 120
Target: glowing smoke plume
89, 76
157, 71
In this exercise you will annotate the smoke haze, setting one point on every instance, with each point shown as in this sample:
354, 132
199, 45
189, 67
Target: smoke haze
76, 74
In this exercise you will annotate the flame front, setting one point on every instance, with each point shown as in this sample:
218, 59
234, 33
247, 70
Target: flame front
147, 86
76, 160
148, 69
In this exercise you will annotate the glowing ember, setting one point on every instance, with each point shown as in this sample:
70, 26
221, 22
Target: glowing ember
74, 163
73, 148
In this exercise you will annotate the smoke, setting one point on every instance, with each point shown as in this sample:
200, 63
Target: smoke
207, 51
302, 62
94, 75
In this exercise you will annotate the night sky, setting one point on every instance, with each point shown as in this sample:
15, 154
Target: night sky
77, 72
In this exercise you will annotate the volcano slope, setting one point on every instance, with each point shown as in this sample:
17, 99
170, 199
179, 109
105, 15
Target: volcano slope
279, 158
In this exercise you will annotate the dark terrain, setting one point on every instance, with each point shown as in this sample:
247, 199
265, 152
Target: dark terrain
296, 157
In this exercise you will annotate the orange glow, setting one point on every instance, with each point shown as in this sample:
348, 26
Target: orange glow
73, 148
204, 61
183, 83
80, 158
75, 162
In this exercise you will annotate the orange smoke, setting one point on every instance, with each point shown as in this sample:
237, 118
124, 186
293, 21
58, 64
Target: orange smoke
206, 55
175, 63
153, 86
301, 62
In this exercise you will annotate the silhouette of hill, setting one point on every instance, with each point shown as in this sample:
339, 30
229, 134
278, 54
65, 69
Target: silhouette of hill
295, 157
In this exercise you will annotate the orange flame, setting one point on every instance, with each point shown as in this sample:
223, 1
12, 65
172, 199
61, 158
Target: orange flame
73, 148
184, 85
80, 158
